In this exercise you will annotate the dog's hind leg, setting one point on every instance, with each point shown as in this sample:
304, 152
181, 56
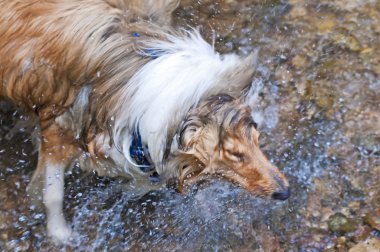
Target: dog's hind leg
36, 185
57, 153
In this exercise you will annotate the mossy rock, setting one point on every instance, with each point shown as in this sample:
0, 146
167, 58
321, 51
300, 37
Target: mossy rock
339, 223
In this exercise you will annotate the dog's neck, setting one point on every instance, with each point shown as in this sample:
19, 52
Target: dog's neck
184, 70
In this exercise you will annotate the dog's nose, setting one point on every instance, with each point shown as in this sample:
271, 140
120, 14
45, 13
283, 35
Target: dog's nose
282, 194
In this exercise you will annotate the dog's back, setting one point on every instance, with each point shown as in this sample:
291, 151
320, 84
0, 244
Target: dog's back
50, 49
36, 63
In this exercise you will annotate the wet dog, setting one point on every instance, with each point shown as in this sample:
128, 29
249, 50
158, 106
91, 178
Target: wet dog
119, 90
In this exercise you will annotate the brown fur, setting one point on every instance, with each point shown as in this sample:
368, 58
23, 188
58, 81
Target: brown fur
50, 51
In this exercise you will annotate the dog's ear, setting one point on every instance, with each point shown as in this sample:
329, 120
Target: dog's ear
239, 76
189, 128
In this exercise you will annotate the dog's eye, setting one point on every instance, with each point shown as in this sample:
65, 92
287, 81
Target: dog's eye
236, 156
254, 124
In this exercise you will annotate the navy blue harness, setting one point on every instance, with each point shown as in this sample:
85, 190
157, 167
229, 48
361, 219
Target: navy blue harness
140, 153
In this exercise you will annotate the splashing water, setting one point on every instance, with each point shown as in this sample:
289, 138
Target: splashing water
315, 99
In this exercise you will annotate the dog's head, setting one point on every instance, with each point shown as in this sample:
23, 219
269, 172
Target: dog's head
219, 137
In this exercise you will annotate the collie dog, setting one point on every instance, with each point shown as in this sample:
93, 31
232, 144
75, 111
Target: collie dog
116, 88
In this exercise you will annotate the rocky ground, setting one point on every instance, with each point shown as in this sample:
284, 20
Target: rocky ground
319, 113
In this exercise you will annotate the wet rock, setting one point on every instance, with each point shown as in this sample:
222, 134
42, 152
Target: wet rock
373, 219
354, 206
345, 39
340, 243
283, 75
322, 97
348, 5
269, 242
341, 224
326, 67
376, 69
3, 193
18, 245
298, 11
372, 245
351, 26
362, 233
326, 24
368, 145
6, 220
4, 236
299, 61
301, 88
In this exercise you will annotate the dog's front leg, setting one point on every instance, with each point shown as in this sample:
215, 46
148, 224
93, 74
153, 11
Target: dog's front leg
53, 196
57, 153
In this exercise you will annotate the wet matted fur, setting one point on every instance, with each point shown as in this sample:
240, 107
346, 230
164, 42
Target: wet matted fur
95, 72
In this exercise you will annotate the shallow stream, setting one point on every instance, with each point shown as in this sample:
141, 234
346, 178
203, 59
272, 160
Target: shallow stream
319, 114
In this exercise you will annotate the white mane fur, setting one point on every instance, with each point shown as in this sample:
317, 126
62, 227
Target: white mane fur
159, 95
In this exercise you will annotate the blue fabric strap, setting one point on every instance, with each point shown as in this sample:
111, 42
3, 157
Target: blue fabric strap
138, 152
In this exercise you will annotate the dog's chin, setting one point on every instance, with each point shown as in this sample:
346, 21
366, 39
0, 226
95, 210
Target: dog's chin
253, 190
193, 183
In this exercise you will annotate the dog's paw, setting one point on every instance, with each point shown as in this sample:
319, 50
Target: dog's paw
59, 232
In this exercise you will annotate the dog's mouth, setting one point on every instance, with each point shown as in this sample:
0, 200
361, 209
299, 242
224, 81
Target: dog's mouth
196, 180
191, 179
